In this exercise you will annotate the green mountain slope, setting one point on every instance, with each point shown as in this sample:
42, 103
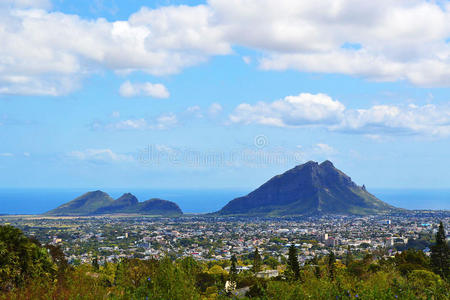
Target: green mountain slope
307, 189
98, 203
157, 206
84, 205
123, 203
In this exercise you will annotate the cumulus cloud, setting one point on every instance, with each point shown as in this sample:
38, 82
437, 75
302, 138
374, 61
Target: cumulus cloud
129, 124
155, 90
412, 119
48, 53
193, 111
166, 121
304, 109
198, 112
215, 109
321, 110
396, 40
322, 148
247, 59
45, 4
162, 122
6, 154
99, 155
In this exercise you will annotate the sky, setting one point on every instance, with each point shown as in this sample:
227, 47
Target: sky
223, 93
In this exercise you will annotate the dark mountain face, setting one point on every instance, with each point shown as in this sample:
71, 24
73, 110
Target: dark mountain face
310, 188
126, 199
125, 202
98, 202
154, 206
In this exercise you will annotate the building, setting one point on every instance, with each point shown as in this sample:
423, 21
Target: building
267, 274
389, 242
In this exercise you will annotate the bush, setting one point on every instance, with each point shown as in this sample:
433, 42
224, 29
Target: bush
22, 259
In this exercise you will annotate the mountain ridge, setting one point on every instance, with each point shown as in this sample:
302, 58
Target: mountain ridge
99, 203
310, 188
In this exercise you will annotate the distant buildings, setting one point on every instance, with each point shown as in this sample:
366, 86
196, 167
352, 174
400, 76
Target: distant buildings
267, 274
212, 239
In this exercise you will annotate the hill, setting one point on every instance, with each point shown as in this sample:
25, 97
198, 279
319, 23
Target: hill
157, 206
307, 189
83, 205
123, 203
98, 203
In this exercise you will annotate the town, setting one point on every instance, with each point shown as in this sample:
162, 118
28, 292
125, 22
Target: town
208, 239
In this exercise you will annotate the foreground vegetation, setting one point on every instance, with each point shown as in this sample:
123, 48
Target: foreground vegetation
29, 270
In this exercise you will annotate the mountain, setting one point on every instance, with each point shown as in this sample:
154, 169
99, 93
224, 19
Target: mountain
307, 189
98, 203
83, 205
158, 206
124, 202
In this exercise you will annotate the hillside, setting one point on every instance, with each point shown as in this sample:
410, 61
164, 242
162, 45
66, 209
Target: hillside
98, 203
307, 189
83, 205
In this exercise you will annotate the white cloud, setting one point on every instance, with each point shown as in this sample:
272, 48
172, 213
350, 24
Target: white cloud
325, 149
45, 4
392, 40
304, 109
247, 59
129, 124
194, 111
99, 155
322, 111
6, 154
412, 119
166, 121
162, 122
155, 90
197, 112
215, 109
48, 53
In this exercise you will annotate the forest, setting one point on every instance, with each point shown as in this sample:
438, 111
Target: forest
29, 270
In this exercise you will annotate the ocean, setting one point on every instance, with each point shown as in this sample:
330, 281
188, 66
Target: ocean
40, 200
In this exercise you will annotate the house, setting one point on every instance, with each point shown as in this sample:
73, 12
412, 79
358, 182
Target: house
267, 274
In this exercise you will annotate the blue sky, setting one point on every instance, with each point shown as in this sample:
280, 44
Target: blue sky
190, 94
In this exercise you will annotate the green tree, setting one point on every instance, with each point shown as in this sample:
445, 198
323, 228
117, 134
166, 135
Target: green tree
233, 267
132, 272
95, 263
331, 266
22, 259
293, 265
348, 257
314, 262
257, 261
440, 256
272, 262
170, 282
410, 260
426, 284
190, 266
59, 259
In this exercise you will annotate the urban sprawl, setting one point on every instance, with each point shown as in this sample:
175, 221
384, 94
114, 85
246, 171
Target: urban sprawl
110, 238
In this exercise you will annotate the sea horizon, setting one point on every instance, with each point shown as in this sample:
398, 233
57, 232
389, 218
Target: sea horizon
17, 201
